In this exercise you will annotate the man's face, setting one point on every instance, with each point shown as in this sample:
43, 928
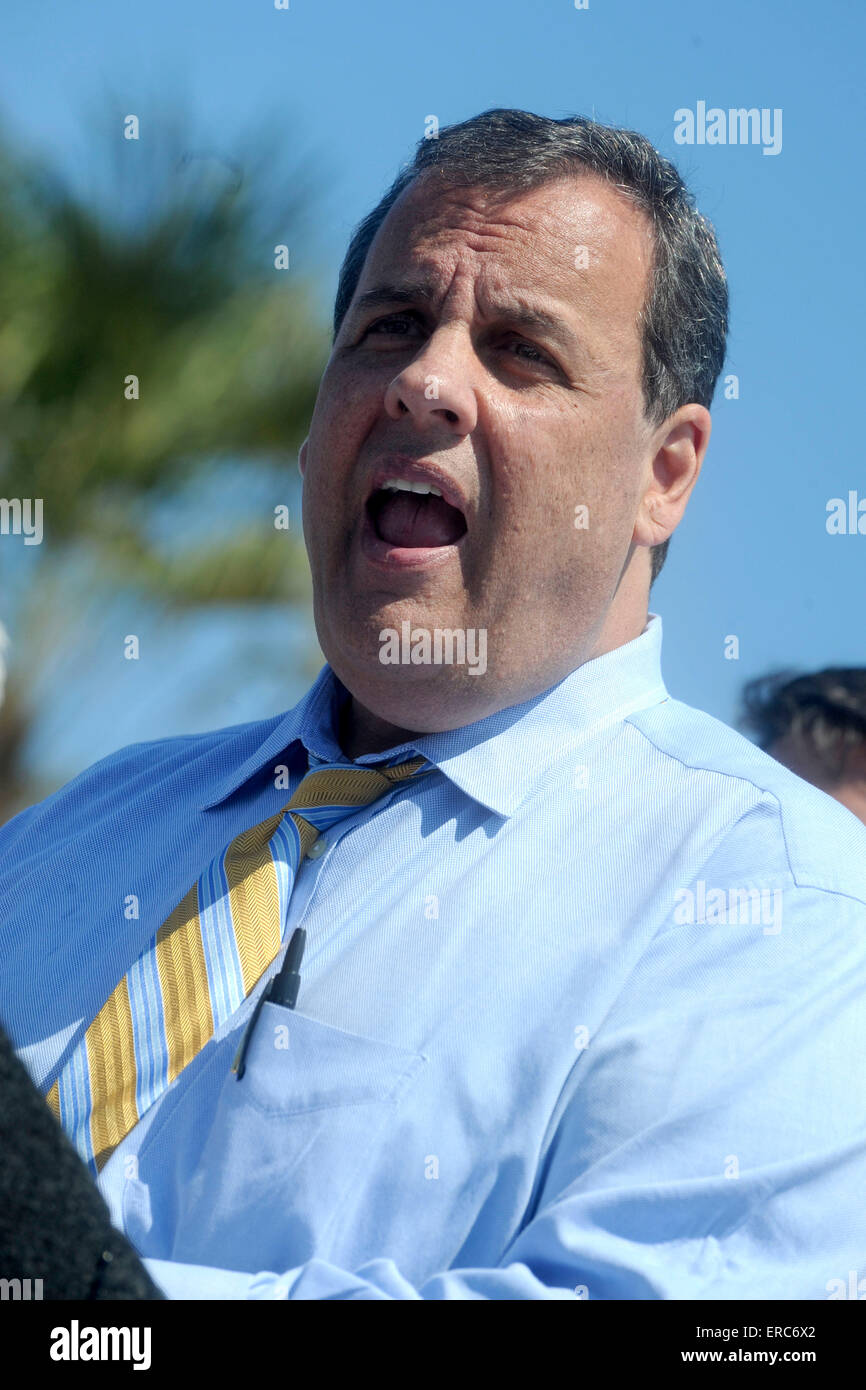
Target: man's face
438, 377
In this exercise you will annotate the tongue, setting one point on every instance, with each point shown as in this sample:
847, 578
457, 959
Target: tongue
417, 519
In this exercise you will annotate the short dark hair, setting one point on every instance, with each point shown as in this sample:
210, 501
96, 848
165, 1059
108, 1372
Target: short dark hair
685, 318
824, 713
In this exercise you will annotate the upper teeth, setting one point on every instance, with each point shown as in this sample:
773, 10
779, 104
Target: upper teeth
403, 485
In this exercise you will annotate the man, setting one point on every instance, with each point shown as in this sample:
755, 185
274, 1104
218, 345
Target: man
583, 968
816, 726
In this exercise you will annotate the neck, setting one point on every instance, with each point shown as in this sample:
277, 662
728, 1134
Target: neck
363, 732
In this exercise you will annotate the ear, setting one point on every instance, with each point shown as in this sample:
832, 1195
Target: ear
677, 454
302, 456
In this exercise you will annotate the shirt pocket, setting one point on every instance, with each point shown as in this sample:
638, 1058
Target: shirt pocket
287, 1142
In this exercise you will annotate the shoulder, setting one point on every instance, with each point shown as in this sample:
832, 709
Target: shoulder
139, 774
699, 762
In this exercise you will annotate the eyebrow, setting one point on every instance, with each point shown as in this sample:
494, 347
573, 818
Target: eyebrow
421, 292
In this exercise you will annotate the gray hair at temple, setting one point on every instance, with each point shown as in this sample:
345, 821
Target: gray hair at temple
685, 318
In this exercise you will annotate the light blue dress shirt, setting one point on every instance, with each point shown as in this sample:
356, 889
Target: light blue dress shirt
582, 1013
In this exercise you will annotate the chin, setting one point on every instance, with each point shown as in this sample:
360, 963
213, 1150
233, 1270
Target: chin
423, 698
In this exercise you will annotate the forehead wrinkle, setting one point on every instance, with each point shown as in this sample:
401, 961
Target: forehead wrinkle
571, 295
515, 306
441, 268
604, 216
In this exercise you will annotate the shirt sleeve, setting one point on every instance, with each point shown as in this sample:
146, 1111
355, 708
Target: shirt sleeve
710, 1142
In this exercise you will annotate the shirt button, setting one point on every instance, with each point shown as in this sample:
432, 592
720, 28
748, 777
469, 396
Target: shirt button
317, 848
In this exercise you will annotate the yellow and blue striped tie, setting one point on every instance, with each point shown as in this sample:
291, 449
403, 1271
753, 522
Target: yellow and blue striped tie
203, 962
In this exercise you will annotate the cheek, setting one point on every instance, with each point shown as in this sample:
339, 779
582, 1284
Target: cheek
605, 476
552, 479
344, 408
567, 511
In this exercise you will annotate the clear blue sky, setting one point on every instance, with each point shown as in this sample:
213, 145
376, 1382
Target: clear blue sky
354, 81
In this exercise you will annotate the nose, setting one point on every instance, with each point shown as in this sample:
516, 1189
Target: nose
435, 386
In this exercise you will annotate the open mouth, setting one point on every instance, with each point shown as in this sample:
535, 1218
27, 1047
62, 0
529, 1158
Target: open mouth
414, 516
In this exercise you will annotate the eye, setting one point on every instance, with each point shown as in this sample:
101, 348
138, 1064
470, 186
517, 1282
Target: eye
537, 355
399, 326
391, 324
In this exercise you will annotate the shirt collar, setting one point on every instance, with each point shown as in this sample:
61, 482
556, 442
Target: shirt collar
530, 737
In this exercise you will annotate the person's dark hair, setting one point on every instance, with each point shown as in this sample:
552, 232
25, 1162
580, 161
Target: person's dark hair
55, 1226
824, 713
685, 317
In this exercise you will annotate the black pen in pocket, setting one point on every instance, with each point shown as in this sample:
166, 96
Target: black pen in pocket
283, 989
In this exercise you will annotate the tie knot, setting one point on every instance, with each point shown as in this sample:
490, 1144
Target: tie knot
334, 791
